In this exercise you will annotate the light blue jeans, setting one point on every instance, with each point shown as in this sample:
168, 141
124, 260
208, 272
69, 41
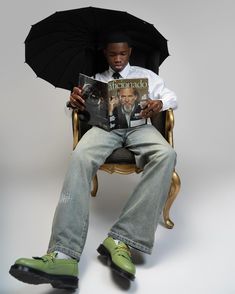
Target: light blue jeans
139, 218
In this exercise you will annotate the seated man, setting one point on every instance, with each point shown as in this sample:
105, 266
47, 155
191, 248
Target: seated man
139, 218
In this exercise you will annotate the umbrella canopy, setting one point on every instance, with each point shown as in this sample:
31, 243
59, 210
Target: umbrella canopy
68, 42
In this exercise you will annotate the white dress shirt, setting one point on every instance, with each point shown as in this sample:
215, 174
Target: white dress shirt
157, 89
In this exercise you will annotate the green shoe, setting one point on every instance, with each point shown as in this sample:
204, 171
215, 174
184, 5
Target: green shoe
119, 257
60, 273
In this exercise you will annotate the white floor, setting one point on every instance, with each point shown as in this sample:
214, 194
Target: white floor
197, 256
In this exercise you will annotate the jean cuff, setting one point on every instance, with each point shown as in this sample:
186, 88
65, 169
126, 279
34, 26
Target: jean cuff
65, 250
131, 243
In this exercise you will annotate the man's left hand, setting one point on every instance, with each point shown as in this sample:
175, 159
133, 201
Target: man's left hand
151, 108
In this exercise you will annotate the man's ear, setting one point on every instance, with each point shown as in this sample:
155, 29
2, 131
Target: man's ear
105, 52
130, 50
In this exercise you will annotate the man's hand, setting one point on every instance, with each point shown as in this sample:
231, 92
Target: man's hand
113, 103
151, 108
76, 100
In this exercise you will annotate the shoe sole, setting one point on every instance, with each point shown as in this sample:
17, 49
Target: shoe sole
103, 251
32, 276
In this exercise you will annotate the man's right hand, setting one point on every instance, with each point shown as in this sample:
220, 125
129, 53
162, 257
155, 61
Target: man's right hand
76, 100
113, 102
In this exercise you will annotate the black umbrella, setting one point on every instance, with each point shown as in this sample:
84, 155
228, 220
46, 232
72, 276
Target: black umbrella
68, 42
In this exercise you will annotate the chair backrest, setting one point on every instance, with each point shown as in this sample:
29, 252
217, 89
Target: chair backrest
149, 60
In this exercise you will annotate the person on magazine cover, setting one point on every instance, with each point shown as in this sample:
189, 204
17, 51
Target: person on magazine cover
127, 109
137, 222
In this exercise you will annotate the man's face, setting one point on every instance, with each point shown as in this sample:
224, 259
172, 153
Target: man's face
127, 99
117, 55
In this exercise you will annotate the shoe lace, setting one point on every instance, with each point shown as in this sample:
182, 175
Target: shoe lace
123, 250
49, 257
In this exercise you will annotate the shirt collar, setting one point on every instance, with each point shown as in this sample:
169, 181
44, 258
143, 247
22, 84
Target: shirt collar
123, 73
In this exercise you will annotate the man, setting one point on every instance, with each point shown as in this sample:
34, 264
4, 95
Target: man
125, 111
139, 218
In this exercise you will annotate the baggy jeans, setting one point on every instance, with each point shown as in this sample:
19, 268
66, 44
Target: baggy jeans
139, 218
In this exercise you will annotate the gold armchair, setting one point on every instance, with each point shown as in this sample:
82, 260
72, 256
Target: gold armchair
122, 161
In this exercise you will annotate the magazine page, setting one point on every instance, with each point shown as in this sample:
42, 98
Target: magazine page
127, 98
96, 99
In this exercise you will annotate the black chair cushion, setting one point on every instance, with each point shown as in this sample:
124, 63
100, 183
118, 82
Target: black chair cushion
121, 156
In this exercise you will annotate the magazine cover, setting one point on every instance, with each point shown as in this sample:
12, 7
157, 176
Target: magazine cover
116, 104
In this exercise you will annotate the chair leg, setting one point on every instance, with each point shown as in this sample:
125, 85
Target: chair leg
174, 189
95, 186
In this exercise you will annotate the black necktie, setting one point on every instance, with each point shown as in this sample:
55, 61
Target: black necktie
116, 75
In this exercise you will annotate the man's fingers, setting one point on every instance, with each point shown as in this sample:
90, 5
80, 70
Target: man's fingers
151, 108
147, 114
81, 108
77, 98
77, 94
147, 111
77, 91
77, 102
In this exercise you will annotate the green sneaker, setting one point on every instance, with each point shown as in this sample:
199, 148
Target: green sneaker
60, 273
119, 257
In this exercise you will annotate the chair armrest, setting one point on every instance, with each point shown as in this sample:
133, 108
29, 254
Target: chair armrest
164, 123
169, 125
75, 125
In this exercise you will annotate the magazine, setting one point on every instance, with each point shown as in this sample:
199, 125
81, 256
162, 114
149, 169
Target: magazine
116, 104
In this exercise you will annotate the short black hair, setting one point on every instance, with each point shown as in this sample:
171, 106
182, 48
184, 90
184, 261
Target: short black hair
116, 37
